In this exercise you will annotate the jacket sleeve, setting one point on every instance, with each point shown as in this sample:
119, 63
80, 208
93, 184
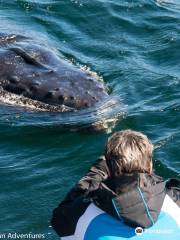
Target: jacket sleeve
173, 190
90, 182
98, 172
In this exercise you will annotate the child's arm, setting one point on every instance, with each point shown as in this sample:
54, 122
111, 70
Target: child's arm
72, 202
173, 190
91, 181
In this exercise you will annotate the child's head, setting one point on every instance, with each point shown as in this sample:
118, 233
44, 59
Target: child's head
129, 151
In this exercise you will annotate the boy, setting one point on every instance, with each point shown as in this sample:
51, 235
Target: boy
120, 196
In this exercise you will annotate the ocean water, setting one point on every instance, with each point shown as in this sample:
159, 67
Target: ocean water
134, 46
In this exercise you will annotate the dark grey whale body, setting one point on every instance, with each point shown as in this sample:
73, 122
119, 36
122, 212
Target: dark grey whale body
39, 74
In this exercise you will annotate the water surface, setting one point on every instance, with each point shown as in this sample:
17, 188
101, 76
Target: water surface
134, 47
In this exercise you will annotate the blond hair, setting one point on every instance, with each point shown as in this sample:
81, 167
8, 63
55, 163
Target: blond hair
129, 151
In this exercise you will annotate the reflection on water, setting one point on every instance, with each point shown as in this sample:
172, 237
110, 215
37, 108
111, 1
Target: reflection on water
106, 114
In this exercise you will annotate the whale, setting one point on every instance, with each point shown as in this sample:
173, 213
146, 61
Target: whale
36, 75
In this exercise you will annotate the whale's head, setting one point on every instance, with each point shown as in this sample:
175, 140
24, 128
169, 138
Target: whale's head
40, 78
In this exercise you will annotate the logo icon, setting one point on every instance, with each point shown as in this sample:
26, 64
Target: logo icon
139, 230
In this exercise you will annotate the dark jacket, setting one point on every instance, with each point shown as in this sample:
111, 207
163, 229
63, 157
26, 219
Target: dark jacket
134, 198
